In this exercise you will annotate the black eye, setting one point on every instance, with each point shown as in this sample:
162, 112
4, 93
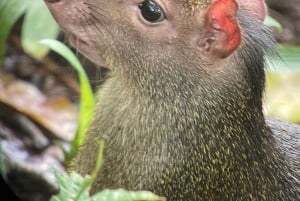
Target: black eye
151, 11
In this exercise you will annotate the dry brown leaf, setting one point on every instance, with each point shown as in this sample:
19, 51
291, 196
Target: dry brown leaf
57, 115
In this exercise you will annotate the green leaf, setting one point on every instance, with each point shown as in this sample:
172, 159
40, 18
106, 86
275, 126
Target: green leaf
269, 21
73, 186
95, 171
288, 60
69, 186
10, 12
87, 102
99, 161
122, 195
38, 24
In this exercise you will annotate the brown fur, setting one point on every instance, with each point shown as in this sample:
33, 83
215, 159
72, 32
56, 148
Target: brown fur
193, 4
177, 120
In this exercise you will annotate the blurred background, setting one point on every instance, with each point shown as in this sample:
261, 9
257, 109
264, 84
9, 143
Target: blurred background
282, 97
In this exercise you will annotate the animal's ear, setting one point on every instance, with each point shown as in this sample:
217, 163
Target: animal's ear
222, 31
256, 7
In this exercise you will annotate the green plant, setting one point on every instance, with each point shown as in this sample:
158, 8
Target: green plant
74, 187
87, 102
272, 23
33, 30
288, 59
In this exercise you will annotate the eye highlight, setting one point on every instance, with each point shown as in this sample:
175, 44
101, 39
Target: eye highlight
151, 11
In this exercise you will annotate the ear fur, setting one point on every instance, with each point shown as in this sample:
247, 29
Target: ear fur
256, 7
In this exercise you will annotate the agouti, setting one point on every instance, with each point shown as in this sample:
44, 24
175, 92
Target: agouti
181, 112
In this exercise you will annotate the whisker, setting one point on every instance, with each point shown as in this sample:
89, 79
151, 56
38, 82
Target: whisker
87, 23
96, 9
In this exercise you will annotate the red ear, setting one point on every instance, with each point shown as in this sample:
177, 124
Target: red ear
223, 26
256, 7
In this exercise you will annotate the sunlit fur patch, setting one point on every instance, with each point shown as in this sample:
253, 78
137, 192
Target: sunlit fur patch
194, 4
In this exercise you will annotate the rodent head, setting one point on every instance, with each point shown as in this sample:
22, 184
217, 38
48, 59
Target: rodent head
146, 33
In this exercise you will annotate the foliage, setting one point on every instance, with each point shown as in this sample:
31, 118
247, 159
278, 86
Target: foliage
31, 34
282, 95
74, 187
273, 23
70, 186
287, 60
87, 102
32, 29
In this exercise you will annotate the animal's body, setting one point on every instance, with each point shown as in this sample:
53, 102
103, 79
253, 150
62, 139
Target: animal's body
181, 112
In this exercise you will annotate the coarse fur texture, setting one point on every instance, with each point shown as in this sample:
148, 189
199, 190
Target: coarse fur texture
194, 4
177, 120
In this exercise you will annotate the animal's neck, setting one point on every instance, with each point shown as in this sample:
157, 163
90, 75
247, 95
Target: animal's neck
230, 83
229, 97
